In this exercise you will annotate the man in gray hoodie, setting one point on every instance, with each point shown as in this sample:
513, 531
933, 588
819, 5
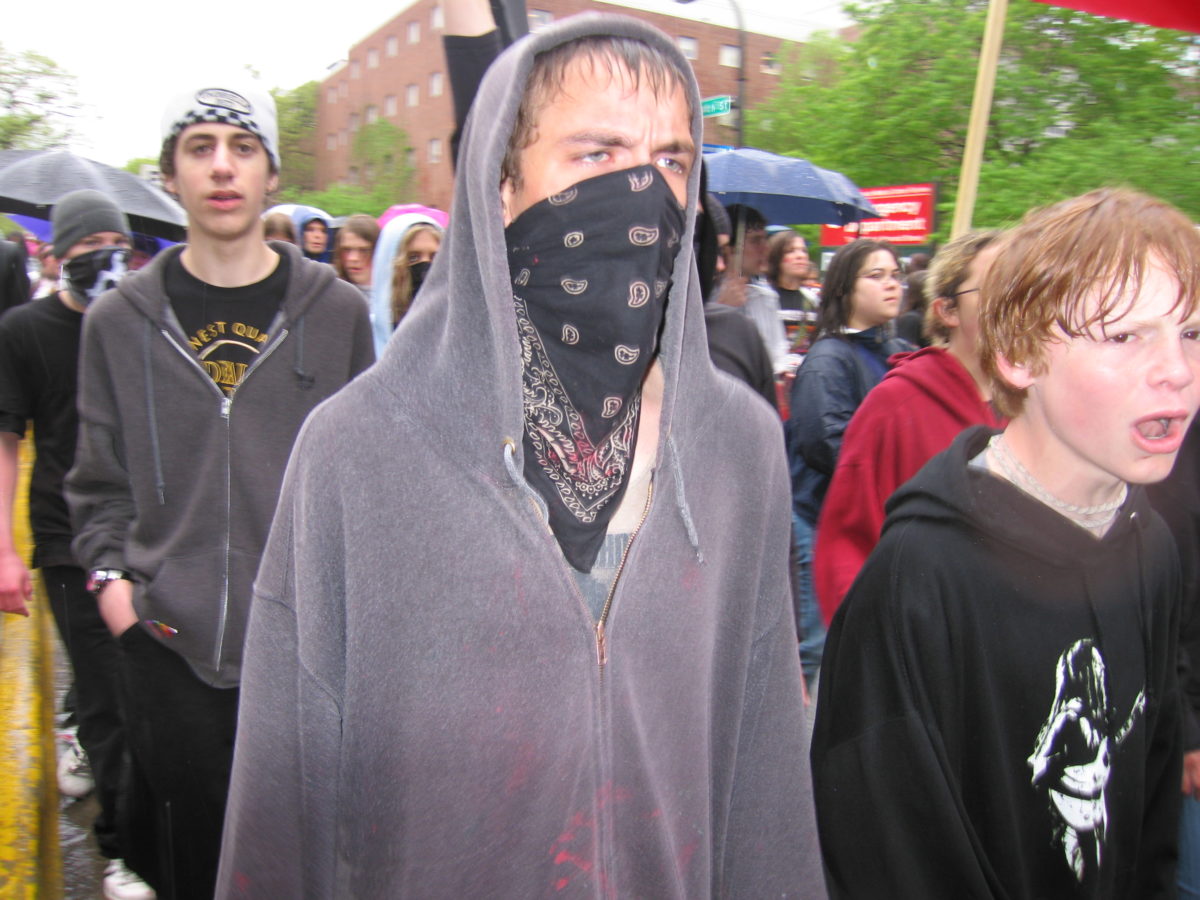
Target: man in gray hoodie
195, 376
523, 625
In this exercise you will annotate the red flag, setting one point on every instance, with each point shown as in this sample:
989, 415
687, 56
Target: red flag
1183, 15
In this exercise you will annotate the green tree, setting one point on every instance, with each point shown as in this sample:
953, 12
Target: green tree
134, 166
297, 117
37, 101
380, 153
1080, 101
380, 175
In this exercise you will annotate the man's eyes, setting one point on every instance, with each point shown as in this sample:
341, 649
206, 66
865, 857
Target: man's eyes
675, 165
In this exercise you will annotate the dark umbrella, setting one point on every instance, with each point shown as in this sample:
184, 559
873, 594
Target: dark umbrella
32, 181
786, 190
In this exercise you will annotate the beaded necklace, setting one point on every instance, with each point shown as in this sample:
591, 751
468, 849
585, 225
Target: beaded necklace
1094, 518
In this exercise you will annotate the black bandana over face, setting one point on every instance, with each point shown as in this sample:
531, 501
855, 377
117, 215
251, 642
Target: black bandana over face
90, 274
591, 269
417, 271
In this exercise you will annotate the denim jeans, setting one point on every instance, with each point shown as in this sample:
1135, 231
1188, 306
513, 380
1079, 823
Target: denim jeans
1189, 850
809, 625
95, 663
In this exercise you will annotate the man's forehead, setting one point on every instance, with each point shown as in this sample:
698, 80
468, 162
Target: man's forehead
597, 69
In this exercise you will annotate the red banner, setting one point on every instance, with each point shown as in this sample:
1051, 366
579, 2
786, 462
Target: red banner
1183, 15
907, 211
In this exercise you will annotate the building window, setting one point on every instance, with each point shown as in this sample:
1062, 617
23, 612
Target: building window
392, 46
730, 56
770, 64
355, 69
331, 141
372, 114
435, 84
435, 150
410, 157
539, 19
331, 96
412, 95
354, 121
436, 21
344, 89
352, 178
372, 59
414, 32
689, 47
389, 105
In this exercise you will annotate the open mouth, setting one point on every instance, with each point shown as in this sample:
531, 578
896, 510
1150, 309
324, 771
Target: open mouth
1155, 429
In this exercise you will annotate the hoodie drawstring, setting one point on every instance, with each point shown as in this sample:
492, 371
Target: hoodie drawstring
681, 503
160, 484
305, 380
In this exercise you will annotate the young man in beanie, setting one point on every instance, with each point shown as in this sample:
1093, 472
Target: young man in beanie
195, 376
39, 352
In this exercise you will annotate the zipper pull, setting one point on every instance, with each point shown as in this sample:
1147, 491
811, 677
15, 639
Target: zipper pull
226, 403
601, 645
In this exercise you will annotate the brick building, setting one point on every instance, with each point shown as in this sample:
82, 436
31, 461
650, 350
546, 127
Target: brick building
398, 74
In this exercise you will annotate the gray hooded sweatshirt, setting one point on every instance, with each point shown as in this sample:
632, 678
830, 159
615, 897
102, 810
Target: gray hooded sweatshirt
424, 709
177, 483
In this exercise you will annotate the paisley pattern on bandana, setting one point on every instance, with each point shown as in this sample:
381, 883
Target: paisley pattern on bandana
591, 268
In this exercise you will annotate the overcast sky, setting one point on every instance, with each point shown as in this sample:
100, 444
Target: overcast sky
128, 63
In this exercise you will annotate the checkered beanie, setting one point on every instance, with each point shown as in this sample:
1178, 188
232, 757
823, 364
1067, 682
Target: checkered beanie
244, 105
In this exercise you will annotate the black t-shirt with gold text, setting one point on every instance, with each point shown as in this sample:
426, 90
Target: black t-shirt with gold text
226, 327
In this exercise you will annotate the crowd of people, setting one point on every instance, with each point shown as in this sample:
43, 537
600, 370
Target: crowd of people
589, 542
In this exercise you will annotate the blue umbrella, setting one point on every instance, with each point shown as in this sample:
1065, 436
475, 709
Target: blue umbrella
786, 190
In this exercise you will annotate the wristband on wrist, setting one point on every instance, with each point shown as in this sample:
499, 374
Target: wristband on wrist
98, 579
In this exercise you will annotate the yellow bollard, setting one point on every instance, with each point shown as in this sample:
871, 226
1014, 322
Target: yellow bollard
30, 860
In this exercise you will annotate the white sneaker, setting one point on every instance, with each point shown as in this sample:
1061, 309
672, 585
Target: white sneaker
121, 884
74, 774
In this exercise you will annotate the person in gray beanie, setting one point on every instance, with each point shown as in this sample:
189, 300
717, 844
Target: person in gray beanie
39, 353
195, 376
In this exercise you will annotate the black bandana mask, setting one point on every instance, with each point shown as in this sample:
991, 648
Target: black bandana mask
417, 272
90, 274
591, 269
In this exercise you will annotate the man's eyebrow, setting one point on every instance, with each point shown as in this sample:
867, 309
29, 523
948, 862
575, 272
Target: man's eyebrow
212, 136
602, 138
677, 147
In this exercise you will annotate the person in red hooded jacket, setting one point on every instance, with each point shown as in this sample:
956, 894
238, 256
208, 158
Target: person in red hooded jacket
919, 407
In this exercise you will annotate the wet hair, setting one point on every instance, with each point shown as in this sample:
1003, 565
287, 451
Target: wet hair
915, 299
946, 275
1071, 268
278, 227
402, 286
600, 53
837, 290
361, 226
918, 262
743, 218
777, 248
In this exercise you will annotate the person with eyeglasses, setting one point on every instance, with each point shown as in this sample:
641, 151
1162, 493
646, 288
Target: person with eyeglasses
848, 357
920, 406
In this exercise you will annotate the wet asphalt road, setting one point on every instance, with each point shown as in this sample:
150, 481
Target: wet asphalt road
82, 864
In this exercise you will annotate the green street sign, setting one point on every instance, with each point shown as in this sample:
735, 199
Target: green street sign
716, 106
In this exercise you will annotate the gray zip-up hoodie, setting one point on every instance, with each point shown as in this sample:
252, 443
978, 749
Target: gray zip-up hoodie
428, 709
175, 482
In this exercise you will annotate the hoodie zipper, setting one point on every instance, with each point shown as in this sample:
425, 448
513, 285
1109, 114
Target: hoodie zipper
226, 411
601, 639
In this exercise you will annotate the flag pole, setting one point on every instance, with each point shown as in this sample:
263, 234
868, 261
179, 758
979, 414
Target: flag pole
981, 107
